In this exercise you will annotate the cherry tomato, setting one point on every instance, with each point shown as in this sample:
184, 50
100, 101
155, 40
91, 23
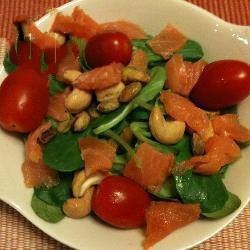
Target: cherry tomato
108, 47
26, 54
24, 99
222, 84
121, 202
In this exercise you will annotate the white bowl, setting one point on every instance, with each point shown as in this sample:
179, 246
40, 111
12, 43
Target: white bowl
220, 40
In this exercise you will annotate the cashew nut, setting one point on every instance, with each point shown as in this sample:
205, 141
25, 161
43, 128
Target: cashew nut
112, 92
58, 37
130, 74
78, 100
198, 145
64, 126
166, 132
108, 106
127, 135
93, 112
130, 92
71, 75
81, 121
79, 207
81, 183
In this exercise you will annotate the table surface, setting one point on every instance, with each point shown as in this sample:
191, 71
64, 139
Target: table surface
18, 233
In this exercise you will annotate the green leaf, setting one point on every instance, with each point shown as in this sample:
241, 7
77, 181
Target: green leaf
55, 195
43, 63
148, 93
117, 168
192, 51
62, 152
52, 121
55, 86
223, 171
233, 202
81, 44
153, 58
45, 211
209, 191
168, 190
139, 114
230, 110
8, 65
120, 126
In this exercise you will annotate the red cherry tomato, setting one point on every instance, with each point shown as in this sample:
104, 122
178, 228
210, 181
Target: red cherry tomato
26, 54
121, 202
108, 47
222, 84
24, 99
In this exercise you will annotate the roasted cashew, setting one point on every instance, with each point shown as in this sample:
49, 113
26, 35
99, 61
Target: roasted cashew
112, 92
78, 100
71, 75
198, 145
130, 74
108, 106
82, 121
79, 207
64, 126
81, 183
166, 132
130, 91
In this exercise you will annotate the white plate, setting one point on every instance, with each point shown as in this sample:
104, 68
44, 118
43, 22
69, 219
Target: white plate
220, 40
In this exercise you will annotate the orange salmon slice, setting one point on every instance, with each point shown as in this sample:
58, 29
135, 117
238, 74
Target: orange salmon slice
181, 109
229, 125
150, 167
163, 218
183, 75
98, 154
100, 78
131, 30
168, 41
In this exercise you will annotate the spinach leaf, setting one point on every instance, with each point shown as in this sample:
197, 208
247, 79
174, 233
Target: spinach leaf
192, 51
209, 191
55, 195
223, 171
45, 211
55, 86
168, 190
149, 92
43, 63
139, 114
8, 65
117, 169
233, 202
62, 152
81, 44
120, 126
153, 58
139, 128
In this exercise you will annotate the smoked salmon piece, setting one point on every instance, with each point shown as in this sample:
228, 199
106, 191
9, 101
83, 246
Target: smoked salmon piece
181, 109
68, 62
100, 78
229, 125
163, 218
37, 174
220, 150
78, 24
183, 75
168, 41
33, 150
133, 31
139, 60
57, 109
149, 167
42, 40
98, 154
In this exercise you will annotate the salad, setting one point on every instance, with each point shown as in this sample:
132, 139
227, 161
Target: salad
137, 130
